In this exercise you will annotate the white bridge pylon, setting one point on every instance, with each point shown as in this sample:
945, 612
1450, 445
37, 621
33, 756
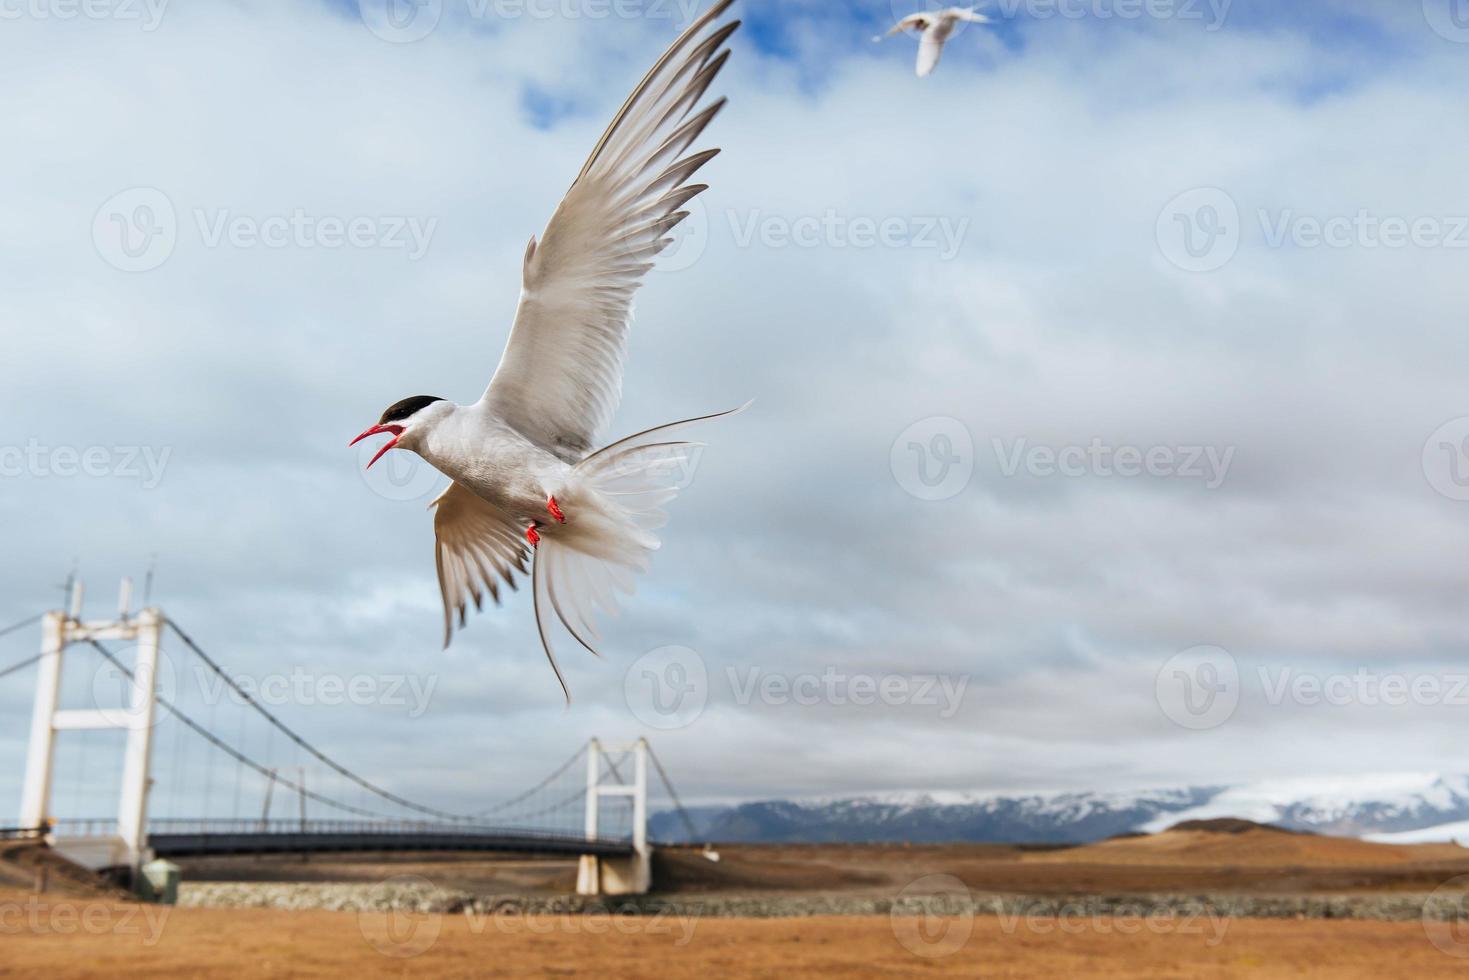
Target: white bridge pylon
631, 875
59, 630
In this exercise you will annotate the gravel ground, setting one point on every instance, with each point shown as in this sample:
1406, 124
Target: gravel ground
419, 896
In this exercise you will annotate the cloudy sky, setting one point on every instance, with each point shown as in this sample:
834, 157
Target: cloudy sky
1111, 425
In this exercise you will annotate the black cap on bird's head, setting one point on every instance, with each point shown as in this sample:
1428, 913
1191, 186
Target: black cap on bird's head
396, 421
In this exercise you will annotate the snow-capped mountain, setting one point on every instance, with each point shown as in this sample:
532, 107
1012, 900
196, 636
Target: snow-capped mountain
1420, 806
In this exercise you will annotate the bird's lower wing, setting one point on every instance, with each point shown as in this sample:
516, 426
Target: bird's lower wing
478, 546
929, 49
561, 376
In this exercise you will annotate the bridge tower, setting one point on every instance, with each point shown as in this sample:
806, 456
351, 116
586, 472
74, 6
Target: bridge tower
129, 848
632, 875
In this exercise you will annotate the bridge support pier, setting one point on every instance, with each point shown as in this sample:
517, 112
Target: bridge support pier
615, 875
632, 875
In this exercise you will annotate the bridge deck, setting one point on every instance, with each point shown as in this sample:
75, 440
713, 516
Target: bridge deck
236, 842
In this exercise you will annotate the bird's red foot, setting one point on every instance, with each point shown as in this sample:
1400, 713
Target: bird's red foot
532, 536
555, 510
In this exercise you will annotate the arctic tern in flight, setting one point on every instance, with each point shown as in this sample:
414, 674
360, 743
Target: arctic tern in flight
529, 484
934, 28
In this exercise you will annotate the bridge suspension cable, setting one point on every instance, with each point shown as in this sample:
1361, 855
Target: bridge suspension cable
21, 666
240, 757
683, 814
298, 740
17, 627
522, 797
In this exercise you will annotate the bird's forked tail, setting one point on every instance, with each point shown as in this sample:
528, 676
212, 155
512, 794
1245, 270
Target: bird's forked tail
614, 502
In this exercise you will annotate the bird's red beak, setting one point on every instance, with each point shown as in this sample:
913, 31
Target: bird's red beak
394, 430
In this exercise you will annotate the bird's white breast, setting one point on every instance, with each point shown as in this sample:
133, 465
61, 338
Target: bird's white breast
498, 464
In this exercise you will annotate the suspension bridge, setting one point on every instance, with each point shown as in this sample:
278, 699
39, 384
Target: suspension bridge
209, 769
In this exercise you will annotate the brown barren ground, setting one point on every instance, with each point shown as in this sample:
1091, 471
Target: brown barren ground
120, 941
1258, 860
76, 931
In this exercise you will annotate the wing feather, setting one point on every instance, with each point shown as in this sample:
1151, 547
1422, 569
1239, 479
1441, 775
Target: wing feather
560, 378
477, 547
919, 21
930, 47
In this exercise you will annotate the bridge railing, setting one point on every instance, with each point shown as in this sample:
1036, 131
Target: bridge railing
85, 827
105, 827
18, 833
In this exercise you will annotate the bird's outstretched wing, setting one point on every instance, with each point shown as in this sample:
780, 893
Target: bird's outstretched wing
477, 547
560, 379
930, 46
917, 21
971, 14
